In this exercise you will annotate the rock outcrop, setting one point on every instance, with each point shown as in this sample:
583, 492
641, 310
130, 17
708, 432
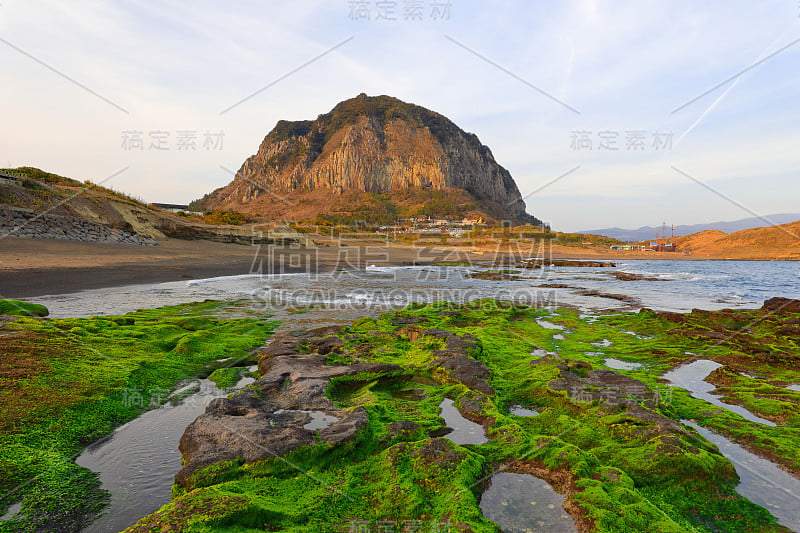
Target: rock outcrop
284, 410
373, 145
25, 223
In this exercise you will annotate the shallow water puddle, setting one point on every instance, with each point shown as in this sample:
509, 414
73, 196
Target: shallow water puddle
618, 364
518, 410
464, 431
642, 337
319, 419
246, 380
520, 503
549, 325
12, 511
761, 481
137, 463
605, 343
794, 387
559, 337
691, 377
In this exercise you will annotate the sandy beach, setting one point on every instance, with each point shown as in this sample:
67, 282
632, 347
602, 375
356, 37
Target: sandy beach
34, 267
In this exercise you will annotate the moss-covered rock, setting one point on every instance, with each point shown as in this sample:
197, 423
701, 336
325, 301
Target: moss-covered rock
65, 383
610, 441
18, 308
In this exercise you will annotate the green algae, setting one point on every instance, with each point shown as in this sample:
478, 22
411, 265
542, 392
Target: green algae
227, 377
620, 470
18, 308
64, 383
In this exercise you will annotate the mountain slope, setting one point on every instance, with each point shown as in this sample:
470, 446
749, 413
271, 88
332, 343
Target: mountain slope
648, 232
371, 146
770, 242
32, 201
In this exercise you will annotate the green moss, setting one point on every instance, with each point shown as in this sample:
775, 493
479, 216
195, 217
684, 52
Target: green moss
18, 308
71, 381
626, 473
227, 377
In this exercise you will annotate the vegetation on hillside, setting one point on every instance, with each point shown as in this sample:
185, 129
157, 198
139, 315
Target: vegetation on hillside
52, 188
227, 217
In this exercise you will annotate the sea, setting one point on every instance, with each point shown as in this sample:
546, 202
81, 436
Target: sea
341, 296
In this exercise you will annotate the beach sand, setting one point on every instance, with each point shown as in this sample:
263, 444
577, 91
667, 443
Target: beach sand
35, 267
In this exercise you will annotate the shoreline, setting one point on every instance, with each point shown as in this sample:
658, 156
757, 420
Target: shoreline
37, 267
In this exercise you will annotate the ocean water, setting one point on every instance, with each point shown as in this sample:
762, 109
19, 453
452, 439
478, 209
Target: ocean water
757, 280
681, 287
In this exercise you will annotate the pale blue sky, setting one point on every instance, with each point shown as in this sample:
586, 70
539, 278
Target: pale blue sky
625, 66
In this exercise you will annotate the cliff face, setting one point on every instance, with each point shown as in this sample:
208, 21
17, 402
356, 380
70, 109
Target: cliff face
373, 145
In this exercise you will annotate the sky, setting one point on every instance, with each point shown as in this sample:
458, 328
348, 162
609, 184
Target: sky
607, 113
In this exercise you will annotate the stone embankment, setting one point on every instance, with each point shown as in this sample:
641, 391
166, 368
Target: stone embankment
15, 222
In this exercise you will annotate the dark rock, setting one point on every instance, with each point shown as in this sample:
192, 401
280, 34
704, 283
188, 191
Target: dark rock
467, 371
619, 391
280, 345
585, 384
626, 276
788, 331
440, 432
268, 418
325, 331
471, 410
441, 453
464, 342
400, 320
678, 318
781, 305
327, 345
439, 333
402, 428
449, 353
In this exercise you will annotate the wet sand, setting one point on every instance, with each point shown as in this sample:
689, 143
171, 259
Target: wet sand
35, 267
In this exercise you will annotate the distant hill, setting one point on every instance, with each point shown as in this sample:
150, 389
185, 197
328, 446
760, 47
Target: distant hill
770, 242
372, 159
649, 232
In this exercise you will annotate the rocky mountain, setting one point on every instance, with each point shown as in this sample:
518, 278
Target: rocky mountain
372, 155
